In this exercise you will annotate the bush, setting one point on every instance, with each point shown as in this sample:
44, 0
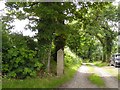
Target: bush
71, 58
18, 59
20, 63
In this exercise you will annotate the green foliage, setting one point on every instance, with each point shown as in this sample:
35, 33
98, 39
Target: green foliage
53, 67
18, 61
89, 37
47, 82
71, 58
48, 19
92, 32
83, 44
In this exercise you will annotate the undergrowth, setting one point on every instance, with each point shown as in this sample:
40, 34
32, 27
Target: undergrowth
48, 81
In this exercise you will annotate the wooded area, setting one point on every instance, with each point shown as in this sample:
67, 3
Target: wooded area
88, 29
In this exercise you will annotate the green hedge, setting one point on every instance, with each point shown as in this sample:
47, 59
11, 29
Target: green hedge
20, 63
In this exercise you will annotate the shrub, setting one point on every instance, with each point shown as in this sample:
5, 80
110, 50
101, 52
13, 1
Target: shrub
20, 63
19, 60
71, 58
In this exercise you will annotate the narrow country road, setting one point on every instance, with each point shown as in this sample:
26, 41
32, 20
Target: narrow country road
80, 79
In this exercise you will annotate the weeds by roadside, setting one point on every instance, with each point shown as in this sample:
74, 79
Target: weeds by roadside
100, 63
118, 76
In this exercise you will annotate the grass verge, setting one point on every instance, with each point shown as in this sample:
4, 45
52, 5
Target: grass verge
49, 82
97, 80
118, 76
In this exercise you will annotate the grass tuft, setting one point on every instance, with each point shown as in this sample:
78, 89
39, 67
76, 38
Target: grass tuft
97, 80
100, 63
118, 76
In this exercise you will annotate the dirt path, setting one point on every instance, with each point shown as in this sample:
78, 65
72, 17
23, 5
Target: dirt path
80, 80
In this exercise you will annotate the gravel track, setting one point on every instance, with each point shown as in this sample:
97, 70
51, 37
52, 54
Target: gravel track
80, 79
110, 81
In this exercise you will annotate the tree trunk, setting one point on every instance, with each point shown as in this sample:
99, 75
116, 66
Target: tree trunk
108, 57
104, 54
119, 41
119, 49
49, 57
109, 45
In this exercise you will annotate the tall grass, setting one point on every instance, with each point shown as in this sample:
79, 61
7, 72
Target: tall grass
118, 76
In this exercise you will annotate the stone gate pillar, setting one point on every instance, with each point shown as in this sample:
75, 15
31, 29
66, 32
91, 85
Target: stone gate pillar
60, 62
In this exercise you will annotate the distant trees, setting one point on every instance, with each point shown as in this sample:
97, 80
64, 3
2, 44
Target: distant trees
94, 18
